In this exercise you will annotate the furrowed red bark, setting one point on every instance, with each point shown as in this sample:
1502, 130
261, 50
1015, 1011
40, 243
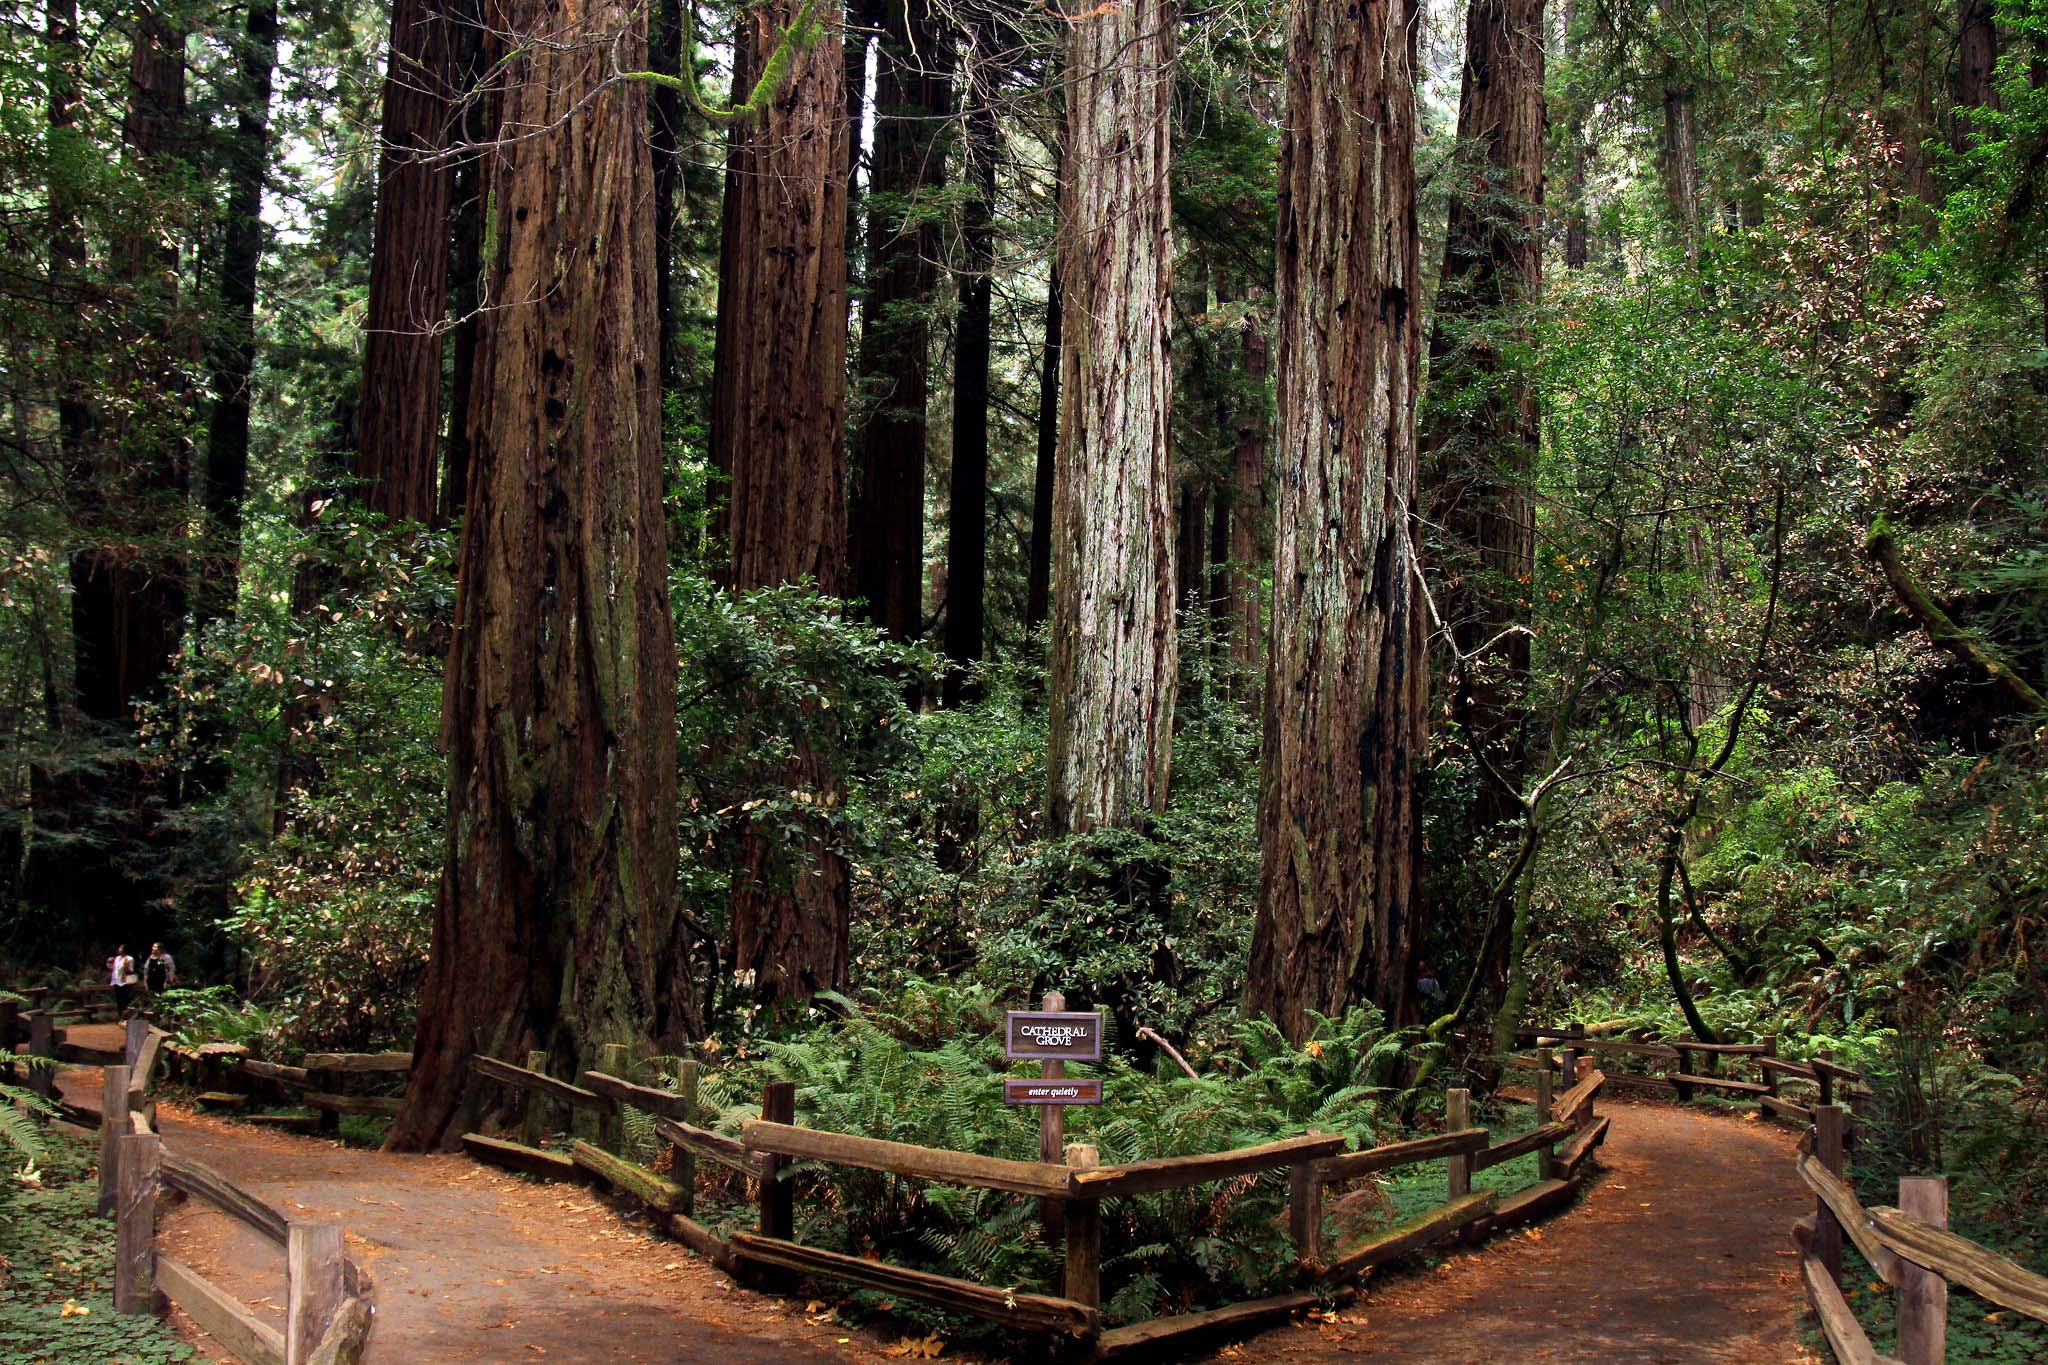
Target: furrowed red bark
778, 404
886, 534
1335, 823
398, 425
1114, 651
557, 894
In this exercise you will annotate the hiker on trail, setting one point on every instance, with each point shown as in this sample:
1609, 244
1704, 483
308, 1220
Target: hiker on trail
159, 970
121, 974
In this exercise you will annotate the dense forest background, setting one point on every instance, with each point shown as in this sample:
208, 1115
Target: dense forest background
528, 526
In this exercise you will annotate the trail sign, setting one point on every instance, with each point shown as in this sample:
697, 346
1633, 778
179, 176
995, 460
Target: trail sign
1059, 1036
1088, 1091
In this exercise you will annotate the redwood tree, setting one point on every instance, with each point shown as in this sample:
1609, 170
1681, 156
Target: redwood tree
1342, 701
967, 509
778, 405
1114, 653
398, 421
556, 918
887, 531
1480, 422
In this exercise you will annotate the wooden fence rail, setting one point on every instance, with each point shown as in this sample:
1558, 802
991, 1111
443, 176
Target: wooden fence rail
1909, 1247
327, 1311
1075, 1186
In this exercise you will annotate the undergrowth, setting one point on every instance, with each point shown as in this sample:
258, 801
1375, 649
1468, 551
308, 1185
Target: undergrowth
57, 1270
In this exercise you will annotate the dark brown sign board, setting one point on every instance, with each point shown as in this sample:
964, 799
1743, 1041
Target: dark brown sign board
1063, 1037
1087, 1091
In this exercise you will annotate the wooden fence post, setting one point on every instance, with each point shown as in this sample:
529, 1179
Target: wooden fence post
1458, 1166
533, 1106
1923, 1294
313, 1286
1770, 1073
778, 1211
1684, 1067
1052, 1129
613, 1059
1084, 1234
1305, 1215
137, 1029
42, 1042
1546, 1157
113, 1127
687, 1076
141, 1155
1822, 1079
1829, 1123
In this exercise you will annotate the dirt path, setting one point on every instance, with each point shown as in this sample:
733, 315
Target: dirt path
1678, 1253
471, 1264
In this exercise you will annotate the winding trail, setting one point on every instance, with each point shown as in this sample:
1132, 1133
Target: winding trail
1677, 1253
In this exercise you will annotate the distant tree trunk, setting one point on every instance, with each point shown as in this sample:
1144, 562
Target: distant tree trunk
1480, 422
474, 49
1336, 843
1249, 544
778, 407
1191, 538
398, 421
1038, 582
665, 127
556, 914
233, 359
1577, 154
1680, 159
967, 519
128, 612
1114, 651
887, 530
1976, 63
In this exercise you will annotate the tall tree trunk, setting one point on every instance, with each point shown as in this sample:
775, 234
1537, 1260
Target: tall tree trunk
665, 128
1114, 650
556, 913
886, 536
474, 51
1249, 543
778, 405
233, 360
398, 421
1680, 159
1480, 423
128, 611
1976, 63
967, 515
1038, 580
1335, 824
1578, 152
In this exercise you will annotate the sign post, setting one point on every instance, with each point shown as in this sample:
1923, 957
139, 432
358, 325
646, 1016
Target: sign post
1053, 1037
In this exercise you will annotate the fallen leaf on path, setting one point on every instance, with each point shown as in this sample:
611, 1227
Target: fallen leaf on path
918, 1348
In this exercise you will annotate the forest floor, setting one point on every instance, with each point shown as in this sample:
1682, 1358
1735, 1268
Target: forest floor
1679, 1252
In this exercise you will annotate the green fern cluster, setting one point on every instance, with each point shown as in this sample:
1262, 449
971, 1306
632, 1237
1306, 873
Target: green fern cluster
925, 1067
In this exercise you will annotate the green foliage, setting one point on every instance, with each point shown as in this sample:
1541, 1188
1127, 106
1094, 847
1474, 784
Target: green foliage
923, 1065
57, 1272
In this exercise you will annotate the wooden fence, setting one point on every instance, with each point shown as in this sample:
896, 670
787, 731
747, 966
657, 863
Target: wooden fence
1564, 1141
327, 1311
1909, 1247
1686, 1068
